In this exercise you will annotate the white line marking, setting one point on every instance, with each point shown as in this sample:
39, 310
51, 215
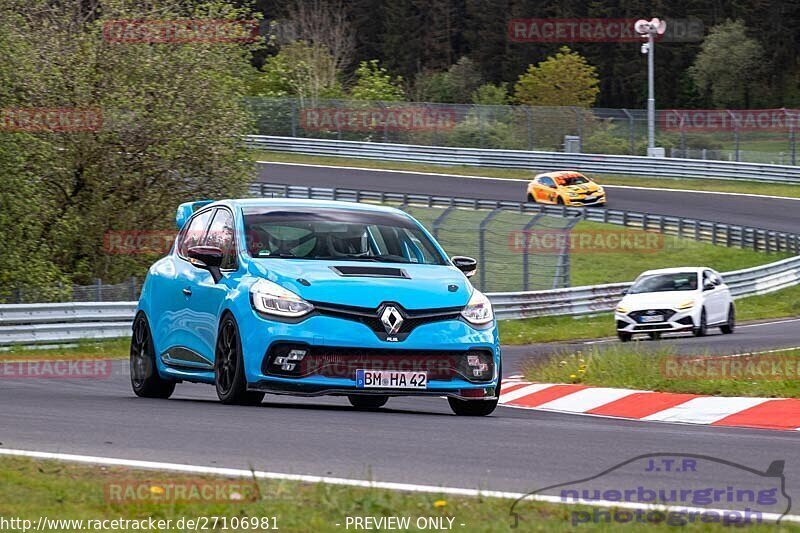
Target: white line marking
587, 399
405, 487
787, 321
520, 180
706, 410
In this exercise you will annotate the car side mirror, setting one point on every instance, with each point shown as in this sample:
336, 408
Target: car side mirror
467, 265
709, 286
207, 258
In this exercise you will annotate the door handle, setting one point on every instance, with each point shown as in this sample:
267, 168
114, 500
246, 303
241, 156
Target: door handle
187, 291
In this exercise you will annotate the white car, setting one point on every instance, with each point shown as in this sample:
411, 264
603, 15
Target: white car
675, 299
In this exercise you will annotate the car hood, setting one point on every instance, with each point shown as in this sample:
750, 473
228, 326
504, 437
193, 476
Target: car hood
656, 300
424, 287
585, 188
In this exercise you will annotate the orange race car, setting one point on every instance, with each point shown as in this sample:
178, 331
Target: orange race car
565, 188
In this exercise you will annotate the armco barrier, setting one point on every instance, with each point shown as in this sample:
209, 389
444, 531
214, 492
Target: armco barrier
42, 323
596, 163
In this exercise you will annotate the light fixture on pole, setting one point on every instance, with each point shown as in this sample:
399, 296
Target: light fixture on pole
648, 29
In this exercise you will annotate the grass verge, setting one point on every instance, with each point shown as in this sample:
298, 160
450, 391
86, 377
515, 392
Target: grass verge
747, 187
626, 366
780, 304
86, 349
30, 489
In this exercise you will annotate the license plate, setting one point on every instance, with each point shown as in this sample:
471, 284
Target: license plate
652, 318
588, 199
383, 379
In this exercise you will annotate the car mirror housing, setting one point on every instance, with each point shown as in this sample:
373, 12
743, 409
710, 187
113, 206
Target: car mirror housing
708, 286
467, 265
207, 258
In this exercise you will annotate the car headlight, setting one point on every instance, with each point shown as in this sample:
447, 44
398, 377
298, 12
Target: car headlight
688, 304
573, 194
623, 310
272, 299
478, 310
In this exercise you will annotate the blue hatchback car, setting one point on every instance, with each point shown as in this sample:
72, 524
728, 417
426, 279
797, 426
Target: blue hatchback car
307, 297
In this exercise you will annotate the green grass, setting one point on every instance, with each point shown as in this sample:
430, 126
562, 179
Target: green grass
99, 349
779, 304
627, 366
748, 187
30, 489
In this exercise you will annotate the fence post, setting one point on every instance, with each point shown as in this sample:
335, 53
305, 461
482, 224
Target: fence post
482, 245
440, 219
526, 232
98, 283
480, 124
294, 118
133, 288
579, 127
529, 121
631, 137
735, 134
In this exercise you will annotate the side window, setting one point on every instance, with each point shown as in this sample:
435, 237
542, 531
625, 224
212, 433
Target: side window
221, 235
548, 182
194, 232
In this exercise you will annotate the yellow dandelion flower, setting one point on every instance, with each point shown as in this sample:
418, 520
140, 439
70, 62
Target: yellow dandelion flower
439, 503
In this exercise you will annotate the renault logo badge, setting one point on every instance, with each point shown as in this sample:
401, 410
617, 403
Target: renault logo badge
392, 320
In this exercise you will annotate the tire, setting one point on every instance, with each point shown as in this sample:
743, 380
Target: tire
229, 377
367, 401
472, 407
560, 201
702, 329
654, 336
145, 381
728, 328
624, 337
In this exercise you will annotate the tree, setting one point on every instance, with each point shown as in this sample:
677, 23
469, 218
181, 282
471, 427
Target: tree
172, 122
565, 79
729, 64
490, 94
324, 25
373, 82
302, 70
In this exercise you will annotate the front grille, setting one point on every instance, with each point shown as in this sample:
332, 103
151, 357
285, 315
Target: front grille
666, 313
371, 317
647, 327
335, 362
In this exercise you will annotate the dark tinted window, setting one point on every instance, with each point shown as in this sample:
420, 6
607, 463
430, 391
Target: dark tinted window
337, 234
683, 281
195, 232
221, 235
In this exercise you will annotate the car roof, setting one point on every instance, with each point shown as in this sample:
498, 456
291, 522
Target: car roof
675, 270
301, 203
559, 174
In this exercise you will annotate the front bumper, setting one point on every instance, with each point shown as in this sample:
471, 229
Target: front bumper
599, 199
336, 347
674, 321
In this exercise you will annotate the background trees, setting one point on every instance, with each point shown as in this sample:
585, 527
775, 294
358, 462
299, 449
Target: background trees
565, 79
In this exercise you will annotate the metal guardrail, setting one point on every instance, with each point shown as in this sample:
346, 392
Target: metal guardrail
43, 323
627, 165
718, 233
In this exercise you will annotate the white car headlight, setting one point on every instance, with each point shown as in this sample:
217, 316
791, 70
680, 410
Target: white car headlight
478, 310
272, 299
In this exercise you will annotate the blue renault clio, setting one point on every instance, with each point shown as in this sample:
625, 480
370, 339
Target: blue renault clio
308, 298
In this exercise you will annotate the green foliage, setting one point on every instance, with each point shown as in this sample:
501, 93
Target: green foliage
730, 64
565, 79
302, 70
373, 82
172, 120
491, 94
457, 85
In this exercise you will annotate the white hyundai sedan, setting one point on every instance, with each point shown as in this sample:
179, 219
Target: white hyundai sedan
675, 299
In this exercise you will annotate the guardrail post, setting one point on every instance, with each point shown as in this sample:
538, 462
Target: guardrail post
482, 245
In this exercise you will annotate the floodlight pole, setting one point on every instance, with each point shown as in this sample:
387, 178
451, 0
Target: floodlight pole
651, 99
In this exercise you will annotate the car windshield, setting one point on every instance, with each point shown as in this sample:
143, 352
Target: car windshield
572, 180
337, 234
681, 281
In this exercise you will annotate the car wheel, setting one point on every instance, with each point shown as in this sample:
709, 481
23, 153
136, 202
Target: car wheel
531, 198
367, 401
654, 336
624, 337
560, 201
702, 329
472, 407
728, 327
229, 367
145, 380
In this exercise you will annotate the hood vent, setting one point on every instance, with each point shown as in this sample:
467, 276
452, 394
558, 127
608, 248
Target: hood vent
370, 272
